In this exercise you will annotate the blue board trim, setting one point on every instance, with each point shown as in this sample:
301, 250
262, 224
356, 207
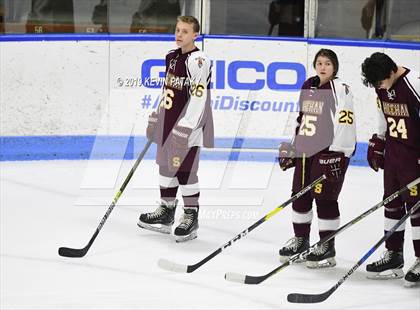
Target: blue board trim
254, 38
23, 148
170, 37
88, 37
366, 43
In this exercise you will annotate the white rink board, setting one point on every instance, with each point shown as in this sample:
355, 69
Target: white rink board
71, 88
53, 88
262, 123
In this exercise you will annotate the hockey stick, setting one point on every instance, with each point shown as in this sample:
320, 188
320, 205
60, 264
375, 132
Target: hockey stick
315, 298
70, 252
236, 277
171, 266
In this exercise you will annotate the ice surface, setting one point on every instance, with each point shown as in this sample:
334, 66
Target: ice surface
48, 204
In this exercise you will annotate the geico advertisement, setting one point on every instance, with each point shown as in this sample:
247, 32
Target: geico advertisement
254, 86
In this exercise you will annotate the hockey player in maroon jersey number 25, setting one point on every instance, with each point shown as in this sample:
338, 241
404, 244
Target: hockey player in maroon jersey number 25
324, 141
182, 124
396, 149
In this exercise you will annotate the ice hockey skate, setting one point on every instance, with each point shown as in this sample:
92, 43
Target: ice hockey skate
412, 277
187, 229
323, 256
294, 246
390, 266
161, 220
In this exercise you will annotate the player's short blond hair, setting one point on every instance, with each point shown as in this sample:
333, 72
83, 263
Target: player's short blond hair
190, 20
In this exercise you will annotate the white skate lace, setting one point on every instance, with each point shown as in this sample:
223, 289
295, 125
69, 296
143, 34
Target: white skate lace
320, 249
187, 220
386, 257
158, 213
294, 243
416, 267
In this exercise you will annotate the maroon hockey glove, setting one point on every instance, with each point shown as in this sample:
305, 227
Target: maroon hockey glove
151, 127
333, 164
180, 136
375, 154
286, 156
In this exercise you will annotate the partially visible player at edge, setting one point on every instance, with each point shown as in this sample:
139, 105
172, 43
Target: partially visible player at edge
324, 141
396, 149
182, 125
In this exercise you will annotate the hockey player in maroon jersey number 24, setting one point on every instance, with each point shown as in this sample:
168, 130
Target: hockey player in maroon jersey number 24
324, 141
182, 124
396, 149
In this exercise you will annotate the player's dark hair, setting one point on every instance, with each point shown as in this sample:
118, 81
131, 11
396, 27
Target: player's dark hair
330, 55
376, 68
190, 20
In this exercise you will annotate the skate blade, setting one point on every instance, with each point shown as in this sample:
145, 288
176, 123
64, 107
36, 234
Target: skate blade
409, 284
164, 229
284, 259
191, 236
326, 263
386, 275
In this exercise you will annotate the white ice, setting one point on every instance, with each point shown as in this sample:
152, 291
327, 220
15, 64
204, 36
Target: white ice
48, 204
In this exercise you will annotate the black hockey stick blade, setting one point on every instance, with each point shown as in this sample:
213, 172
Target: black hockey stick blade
181, 268
247, 279
69, 252
309, 298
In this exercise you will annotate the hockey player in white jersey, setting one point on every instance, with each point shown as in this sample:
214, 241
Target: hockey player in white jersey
182, 125
324, 141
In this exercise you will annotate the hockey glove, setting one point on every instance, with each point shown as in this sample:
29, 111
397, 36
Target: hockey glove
151, 127
178, 148
333, 164
286, 156
180, 136
375, 154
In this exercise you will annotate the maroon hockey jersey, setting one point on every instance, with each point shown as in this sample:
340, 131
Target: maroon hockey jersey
399, 120
326, 119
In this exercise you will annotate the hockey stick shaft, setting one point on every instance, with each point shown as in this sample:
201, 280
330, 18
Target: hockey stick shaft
165, 264
315, 298
70, 252
258, 279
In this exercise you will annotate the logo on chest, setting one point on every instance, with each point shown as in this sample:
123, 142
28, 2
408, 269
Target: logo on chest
396, 109
200, 61
391, 94
312, 107
172, 64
